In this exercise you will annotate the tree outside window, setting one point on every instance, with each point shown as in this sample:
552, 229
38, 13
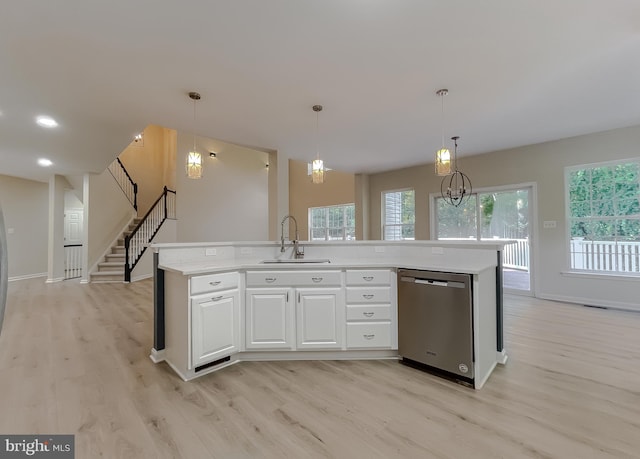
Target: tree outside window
604, 217
399, 215
332, 223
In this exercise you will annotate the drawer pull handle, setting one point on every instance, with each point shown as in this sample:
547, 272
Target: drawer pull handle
367, 296
217, 298
214, 283
369, 336
368, 314
368, 278
269, 279
316, 279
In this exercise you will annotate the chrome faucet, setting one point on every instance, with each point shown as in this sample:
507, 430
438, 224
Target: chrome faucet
296, 243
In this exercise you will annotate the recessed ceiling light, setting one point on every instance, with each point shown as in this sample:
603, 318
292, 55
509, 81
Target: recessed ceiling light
46, 121
44, 162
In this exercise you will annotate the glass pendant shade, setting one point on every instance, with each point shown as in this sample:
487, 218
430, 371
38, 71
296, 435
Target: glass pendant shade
317, 171
194, 165
443, 162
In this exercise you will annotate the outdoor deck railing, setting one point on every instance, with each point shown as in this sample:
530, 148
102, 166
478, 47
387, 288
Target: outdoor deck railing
618, 256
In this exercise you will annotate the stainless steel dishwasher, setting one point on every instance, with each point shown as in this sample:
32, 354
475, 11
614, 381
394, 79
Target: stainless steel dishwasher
435, 321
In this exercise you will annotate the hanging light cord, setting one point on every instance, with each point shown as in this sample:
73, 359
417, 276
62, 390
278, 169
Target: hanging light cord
194, 125
442, 112
318, 134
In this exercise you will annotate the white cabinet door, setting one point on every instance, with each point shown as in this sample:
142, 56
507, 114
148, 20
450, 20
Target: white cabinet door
215, 326
269, 316
320, 318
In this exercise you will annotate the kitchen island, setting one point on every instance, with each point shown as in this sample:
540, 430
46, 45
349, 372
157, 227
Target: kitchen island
217, 304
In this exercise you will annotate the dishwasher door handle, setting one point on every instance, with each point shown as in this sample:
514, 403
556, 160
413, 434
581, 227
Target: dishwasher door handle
432, 282
450, 284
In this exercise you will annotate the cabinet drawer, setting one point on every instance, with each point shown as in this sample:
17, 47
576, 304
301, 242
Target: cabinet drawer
293, 278
368, 294
369, 334
369, 312
213, 282
368, 277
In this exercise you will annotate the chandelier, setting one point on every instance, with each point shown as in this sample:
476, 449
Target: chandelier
456, 187
194, 159
317, 166
443, 156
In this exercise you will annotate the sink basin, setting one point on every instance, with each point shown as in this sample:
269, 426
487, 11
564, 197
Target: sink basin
297, 260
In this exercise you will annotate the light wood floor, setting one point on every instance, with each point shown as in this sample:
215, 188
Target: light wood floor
74, 360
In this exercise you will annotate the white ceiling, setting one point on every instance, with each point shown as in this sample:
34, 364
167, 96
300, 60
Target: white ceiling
519, 72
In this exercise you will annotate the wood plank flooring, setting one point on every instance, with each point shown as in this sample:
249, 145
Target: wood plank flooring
74, 360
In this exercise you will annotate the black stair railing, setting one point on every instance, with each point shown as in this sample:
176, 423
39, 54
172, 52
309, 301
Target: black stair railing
137, 242
127, 185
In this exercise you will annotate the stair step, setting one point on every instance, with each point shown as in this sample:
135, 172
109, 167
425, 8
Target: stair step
111, 266
107, 276
112, 257
117, 250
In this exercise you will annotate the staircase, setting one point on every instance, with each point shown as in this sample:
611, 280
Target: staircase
119, 264
112, 268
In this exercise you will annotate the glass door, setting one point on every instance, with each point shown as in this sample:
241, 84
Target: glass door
489, 215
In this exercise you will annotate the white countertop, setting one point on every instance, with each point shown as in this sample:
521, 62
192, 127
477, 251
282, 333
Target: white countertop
467, 257
189, 268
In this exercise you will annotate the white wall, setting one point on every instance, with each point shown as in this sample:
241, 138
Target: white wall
543, 164
25, 204
230, 202
107, 212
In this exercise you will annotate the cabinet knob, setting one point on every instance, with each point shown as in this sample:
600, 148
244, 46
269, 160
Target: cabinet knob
368, 278
368, 314
369, 336
316, 279
367, 296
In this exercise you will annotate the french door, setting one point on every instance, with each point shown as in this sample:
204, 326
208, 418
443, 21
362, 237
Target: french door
490, 214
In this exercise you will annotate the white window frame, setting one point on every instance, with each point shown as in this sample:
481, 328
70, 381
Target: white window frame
383, 214
326, 227
570, 252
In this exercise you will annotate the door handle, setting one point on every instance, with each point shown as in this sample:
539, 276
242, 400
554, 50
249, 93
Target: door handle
368, 314
217, 298
316, 279
367, 278
369, 336
214, 283
269, 279
367, 296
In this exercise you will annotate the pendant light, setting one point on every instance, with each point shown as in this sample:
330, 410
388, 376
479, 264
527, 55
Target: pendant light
456, 188
194, 159
317, 166
443, 156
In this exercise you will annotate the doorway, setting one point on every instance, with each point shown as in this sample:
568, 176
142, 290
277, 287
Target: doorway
494, 214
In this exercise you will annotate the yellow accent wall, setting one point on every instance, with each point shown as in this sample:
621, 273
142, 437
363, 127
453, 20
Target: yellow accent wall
152, 165
338, 188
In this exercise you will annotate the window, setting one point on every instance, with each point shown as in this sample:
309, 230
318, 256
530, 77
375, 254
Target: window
399, 215
604, 217
332, 223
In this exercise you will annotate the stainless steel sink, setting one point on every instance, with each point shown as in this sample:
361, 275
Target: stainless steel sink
297, 260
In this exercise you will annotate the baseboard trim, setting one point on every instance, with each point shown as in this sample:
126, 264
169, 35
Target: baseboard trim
592, 302
27, 276
157, 356
53, 281
144, 276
